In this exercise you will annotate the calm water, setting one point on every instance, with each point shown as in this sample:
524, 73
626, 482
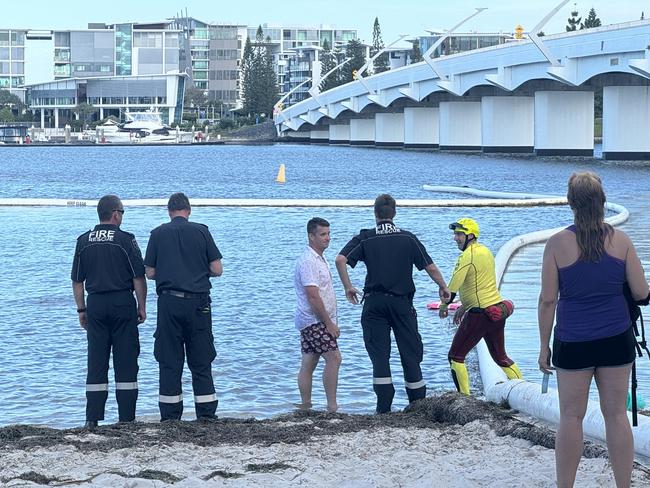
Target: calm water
43, 350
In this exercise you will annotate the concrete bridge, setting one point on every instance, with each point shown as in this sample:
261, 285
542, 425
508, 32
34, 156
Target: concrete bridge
519, 97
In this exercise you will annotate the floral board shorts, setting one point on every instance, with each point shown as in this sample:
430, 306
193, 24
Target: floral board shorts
314, 339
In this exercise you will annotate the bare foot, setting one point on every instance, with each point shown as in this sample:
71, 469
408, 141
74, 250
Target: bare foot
303, 406
332, 408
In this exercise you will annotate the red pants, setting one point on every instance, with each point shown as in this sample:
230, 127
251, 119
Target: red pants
474, 327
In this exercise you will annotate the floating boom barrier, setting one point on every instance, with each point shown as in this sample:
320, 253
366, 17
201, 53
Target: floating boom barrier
526, 396
261, 202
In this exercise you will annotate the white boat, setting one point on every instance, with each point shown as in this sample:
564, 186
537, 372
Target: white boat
145, 123
140, 127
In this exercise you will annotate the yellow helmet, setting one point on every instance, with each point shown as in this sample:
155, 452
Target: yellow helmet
466, 226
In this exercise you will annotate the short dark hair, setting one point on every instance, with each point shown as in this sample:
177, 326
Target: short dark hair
107, 205
314, 222
178, 201
385, 206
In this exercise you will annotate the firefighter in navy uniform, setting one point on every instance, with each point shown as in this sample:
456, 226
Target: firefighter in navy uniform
389, 254
182, 256
108, 265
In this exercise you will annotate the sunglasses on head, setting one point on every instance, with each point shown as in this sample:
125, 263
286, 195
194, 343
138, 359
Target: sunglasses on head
456, 227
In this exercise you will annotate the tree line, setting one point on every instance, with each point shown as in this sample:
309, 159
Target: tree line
574, 22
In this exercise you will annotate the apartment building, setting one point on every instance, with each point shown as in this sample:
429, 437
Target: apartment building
303, 63
215, 51
12, 61
284, 39
127, 49
209, 54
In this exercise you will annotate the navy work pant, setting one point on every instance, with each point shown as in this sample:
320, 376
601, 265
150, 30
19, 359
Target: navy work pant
112, 324
381, 313
185, 327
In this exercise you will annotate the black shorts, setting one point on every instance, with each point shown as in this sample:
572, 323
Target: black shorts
617, 350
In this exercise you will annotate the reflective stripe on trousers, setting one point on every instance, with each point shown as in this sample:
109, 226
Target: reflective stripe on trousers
205, 398
416, 385
170, 398
382, 381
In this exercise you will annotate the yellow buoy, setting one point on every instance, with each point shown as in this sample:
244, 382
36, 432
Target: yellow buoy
281, 177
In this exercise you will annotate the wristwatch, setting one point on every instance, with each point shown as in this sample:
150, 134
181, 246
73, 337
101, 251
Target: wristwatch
81, 310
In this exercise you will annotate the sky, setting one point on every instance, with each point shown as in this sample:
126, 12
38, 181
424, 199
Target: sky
396, 17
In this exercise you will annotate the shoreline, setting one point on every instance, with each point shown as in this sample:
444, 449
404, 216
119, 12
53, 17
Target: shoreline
449, 440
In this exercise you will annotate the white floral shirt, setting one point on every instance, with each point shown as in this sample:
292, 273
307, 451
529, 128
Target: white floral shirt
313, 270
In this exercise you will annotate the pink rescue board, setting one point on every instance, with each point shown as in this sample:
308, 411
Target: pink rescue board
436, 305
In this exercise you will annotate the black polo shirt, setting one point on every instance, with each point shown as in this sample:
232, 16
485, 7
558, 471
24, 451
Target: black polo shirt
389, 254
107, 259
181, 251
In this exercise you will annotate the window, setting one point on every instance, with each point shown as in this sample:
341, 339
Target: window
17, 38
200, 34
225, 75
61, 39
223, 33
62, 70
61, 55
147, 39
4, 38
171, 40
222, 54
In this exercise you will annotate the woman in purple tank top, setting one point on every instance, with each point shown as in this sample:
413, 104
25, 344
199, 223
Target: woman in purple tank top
585, 267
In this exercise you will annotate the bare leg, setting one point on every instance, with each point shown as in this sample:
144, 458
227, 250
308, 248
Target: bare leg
331, 378
307, 367
573, 389
612, 387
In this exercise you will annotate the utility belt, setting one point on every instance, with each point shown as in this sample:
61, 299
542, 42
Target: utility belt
183, 294
497, 312
369, 293
125, 290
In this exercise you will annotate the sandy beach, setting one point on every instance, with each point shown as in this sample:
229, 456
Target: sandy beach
445, 440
